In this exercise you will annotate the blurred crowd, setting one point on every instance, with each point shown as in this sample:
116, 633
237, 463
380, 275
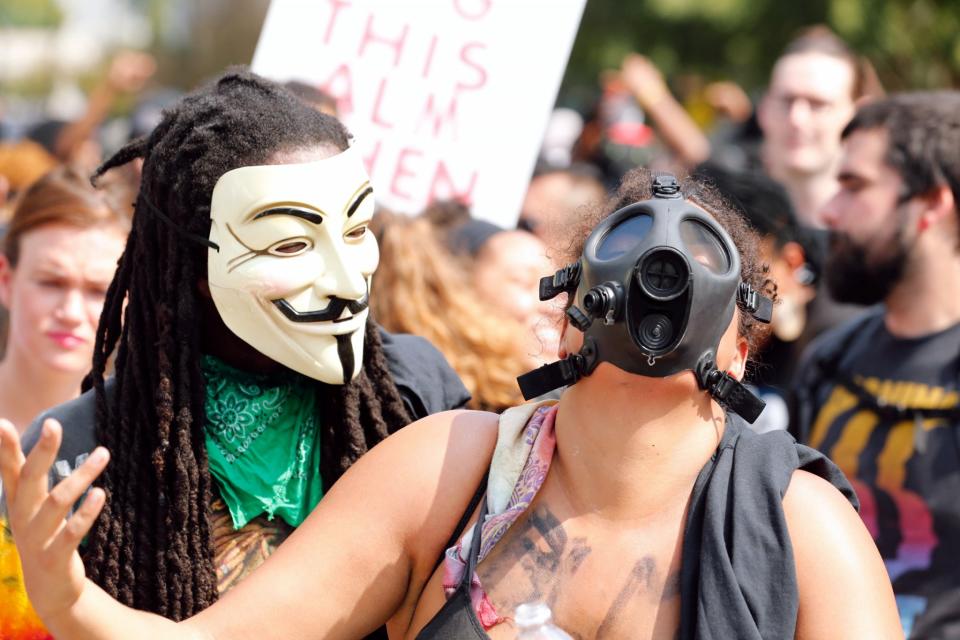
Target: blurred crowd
862, 359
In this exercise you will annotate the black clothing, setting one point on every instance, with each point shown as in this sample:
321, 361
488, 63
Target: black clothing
737, 576
456, 619
887, 410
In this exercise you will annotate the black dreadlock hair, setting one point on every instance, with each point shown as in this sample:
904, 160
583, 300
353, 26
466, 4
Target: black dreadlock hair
151, 547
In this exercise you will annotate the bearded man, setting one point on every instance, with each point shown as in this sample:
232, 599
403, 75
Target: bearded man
880, 395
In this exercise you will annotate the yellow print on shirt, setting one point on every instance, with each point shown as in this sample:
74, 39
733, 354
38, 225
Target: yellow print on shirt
18, 621
853, 426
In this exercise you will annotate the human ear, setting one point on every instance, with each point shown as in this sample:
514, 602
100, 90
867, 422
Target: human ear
793, 255
938, 204
562, 347
738, 362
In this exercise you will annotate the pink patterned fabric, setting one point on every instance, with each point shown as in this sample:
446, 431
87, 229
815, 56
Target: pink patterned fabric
539, 438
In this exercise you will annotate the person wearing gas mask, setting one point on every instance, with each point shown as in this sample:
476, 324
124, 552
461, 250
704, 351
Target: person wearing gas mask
249, 376
881, 394
638, 506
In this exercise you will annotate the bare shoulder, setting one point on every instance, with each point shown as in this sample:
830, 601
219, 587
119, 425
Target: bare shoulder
374, 537
458, 428
843, 584
448, 448
424, 475
809, 495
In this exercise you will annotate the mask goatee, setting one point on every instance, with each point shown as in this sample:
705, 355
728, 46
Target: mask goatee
345, 351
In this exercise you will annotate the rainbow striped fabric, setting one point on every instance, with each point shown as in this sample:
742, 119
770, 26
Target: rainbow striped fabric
18, 621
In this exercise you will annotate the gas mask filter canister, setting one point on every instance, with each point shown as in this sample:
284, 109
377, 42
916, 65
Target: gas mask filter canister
655, 290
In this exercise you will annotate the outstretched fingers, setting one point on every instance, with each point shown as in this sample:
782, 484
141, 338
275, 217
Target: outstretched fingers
77, 527
11, 459
47, 542
33, 483
49, 517
36, 513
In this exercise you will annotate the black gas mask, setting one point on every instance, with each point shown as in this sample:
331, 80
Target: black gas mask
655, 290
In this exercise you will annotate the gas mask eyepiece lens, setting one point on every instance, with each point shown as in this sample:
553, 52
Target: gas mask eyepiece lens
704, 246
624, 237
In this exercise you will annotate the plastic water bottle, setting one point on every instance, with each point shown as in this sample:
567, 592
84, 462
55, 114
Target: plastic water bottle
533, 622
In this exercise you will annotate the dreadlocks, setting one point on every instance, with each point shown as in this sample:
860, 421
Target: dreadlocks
151, 547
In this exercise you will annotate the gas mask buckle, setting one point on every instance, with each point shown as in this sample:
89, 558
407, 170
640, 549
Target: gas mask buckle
566, 279
752, 302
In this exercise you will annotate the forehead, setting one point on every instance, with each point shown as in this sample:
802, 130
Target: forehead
63, 246
328, 185
864, 153
814, 75
514, 247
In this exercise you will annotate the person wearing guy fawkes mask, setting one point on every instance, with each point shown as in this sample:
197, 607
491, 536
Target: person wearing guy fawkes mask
880, 395
636, 505
249, 376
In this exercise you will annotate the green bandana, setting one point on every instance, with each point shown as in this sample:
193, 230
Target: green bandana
263, 442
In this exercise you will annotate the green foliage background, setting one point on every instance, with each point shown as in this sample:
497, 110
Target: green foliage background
912, 43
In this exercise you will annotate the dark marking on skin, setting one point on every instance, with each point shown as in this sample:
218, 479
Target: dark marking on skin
578, 554
553, 534
543, 566
641, 577
671, 587
541, 547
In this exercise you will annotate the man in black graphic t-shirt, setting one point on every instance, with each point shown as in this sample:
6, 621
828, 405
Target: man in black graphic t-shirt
881, 395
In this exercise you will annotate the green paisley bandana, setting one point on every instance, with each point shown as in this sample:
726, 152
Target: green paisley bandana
263, 442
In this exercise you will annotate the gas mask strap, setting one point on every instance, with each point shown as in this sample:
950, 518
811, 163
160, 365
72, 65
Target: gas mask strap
560, 373
551, 376
729, 392
564, 280
752, 302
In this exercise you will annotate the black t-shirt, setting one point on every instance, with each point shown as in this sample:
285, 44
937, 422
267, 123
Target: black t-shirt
886, 410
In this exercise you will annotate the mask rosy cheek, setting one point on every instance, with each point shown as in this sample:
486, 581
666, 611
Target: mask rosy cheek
272, 288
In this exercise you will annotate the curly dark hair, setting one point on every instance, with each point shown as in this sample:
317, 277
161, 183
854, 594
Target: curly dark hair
637, 186
151, 547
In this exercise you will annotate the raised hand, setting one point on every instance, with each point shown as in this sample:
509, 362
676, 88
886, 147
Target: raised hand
643, 79
46, 541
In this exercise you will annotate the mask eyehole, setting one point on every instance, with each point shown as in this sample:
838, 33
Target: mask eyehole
289, 248
356, 234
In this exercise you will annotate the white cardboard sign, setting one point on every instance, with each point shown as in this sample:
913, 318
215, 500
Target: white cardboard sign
445, 98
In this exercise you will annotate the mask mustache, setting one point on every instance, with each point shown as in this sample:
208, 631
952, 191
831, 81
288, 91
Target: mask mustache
331, 312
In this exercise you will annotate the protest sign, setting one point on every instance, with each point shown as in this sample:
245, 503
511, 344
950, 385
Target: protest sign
445, 98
